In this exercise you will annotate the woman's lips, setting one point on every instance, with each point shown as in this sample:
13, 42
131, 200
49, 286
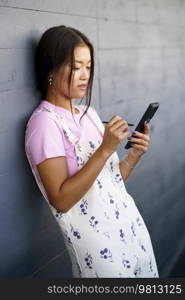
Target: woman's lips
82, 86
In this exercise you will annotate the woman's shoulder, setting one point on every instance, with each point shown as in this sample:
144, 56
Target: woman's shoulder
41, 117
41, 124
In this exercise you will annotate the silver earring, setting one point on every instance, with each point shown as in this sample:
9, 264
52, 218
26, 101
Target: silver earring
50, 80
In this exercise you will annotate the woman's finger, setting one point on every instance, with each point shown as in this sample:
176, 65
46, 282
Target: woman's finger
146, 128
145, 134
120, 124
141, 136
138, 141
113, 120
139, 147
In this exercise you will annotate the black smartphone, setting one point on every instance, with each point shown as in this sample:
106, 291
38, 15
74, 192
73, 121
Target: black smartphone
147, 116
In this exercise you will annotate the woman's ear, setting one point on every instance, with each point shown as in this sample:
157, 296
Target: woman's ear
50, 74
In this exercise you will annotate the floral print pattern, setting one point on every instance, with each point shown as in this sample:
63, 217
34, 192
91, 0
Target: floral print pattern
80, 161
126, 262
93, 223
58, 214
106, 254
88, 260
111, 200
75, 232
99, 184
117, 212
118, 178
83, 206
122, 235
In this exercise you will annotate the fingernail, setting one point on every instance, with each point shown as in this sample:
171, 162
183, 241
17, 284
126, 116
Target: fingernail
129, 138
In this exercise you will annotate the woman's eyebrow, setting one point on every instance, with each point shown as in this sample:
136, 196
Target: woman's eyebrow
79, 61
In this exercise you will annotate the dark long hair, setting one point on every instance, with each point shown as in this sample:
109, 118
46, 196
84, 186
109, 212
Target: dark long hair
56, 48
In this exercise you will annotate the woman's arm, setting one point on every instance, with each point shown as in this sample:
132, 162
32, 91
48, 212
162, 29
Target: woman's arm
63, 191
127, 165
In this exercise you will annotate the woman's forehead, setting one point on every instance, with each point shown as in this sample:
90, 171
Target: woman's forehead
82, 54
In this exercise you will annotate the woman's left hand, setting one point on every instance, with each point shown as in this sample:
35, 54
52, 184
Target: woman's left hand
140, 142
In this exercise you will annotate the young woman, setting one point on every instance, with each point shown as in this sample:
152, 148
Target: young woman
73, 158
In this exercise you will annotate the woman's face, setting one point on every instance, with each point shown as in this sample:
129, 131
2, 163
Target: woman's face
80, 75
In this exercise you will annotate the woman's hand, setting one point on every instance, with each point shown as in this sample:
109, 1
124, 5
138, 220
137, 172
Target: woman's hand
115, 132
140, 142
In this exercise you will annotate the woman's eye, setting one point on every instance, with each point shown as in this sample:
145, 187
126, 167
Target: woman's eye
77, 68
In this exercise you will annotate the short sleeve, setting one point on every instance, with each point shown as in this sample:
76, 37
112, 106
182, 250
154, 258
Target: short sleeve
44, 138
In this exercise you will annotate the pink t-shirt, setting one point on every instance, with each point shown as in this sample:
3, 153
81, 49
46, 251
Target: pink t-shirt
44, 137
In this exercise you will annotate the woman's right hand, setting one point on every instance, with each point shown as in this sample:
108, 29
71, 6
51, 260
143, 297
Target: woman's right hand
115, 132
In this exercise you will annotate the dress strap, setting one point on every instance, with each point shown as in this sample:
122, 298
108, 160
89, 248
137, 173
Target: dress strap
67, 131
91, 114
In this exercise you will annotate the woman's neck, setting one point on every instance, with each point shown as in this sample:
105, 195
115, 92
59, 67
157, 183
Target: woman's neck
58, 101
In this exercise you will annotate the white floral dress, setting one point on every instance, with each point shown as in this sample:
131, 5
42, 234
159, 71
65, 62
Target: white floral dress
104, 232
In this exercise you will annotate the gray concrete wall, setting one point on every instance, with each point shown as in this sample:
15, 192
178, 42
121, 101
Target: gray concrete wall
139, 53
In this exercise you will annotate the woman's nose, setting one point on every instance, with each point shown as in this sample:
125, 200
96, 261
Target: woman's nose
85, 73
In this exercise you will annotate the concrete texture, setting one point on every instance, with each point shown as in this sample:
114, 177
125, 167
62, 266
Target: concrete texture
140, 58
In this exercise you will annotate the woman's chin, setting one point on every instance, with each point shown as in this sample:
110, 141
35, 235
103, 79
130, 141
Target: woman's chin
79, 95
